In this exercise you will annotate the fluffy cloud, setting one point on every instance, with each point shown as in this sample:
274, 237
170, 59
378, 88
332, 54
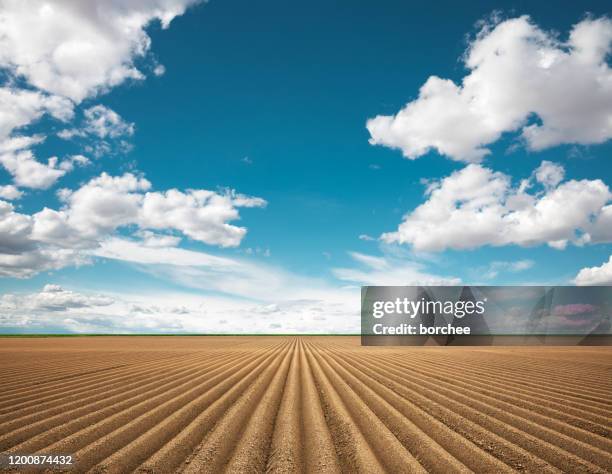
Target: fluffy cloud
476, 206
78, 49
389, 271
51, 239
199, 214
19, 107
601, 275
549, 174
10, 192
30, 173
54, 298
22, 253
51, 309
102, 205
104, 122
102, 132
58, 310
106, 202
26, 170
69, 51
517, 72
101, 122
65, 52
69, 163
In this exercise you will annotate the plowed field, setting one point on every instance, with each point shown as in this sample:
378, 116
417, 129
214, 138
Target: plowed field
308, 404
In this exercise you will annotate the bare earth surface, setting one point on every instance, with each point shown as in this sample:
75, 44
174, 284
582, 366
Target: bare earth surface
308, 404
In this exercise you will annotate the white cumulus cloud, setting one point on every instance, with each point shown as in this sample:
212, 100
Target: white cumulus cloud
477, 206
55, 298
549, 174
601, 275
64, 52
51, 239
9, 192
517, 72
20, 107
29, 172
199, 214
78, 49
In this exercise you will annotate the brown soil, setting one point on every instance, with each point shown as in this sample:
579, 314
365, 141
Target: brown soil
307, 404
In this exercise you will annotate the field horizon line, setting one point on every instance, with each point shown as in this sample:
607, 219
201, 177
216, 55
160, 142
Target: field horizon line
172, 335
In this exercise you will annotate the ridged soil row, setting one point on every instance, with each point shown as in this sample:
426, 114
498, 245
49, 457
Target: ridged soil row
353, 452
437, 447
187, 440
319, 451
77, 369
240, 441
58, 390
46, 407
18, 395
252, 452
52, 366
423, 448
363, 442
140, 398
137, 434
93, 443
31, 383
540, 358
568, 384
556, 369
286, 445
478, 430
565, 409
545, 427
73, 369
574, 371
554, 408
535, 384
556, 448
77, 379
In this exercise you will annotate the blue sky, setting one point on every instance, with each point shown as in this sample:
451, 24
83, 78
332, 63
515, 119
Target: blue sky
271, 100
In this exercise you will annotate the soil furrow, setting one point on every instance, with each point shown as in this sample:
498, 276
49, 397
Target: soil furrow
432, 429
286, 448
517, 431
140, 400
276, 404
364, 425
